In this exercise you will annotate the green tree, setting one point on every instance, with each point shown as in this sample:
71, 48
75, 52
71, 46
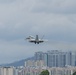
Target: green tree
45, 72
74, 73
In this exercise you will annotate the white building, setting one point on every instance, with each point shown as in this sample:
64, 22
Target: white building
7, 71
32, 63
62, 71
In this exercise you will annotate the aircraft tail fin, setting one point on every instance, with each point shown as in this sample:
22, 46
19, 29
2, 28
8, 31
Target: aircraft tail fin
37, 37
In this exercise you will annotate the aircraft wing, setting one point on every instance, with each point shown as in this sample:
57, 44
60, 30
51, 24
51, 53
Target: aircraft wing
42, 40
32, 37
32, 40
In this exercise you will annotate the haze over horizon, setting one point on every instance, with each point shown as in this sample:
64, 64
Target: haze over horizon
55, 19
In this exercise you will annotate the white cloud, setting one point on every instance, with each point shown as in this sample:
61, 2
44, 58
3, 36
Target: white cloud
6, 1
55, 6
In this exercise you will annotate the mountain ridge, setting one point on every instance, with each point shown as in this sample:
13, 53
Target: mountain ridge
17, 63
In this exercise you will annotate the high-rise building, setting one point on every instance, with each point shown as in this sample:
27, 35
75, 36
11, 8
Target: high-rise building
56, 58
38, 56
7, 71
41, 56
68, 58
45, 59
71, 58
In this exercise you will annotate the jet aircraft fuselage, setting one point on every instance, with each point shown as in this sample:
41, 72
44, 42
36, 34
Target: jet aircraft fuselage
35, 40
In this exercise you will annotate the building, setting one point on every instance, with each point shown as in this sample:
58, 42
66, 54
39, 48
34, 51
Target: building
30, 63
7, 71
38, 56
56, 58
62, 71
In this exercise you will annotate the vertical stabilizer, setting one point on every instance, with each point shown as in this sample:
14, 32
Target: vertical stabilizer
37, 38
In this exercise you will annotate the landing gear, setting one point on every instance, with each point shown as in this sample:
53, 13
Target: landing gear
38, 43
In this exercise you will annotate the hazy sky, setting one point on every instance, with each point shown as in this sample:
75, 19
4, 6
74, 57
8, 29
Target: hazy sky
55, 19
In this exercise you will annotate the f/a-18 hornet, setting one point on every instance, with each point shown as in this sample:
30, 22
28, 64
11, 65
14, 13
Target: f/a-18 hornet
35, 40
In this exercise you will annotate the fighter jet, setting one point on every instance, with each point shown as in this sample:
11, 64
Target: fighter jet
35, 40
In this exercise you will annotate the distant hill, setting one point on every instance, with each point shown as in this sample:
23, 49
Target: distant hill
17, 63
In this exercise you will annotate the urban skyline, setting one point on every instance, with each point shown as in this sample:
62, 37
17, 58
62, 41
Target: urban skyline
57, 58
36, 66
67, 58
56, 64
30, 70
